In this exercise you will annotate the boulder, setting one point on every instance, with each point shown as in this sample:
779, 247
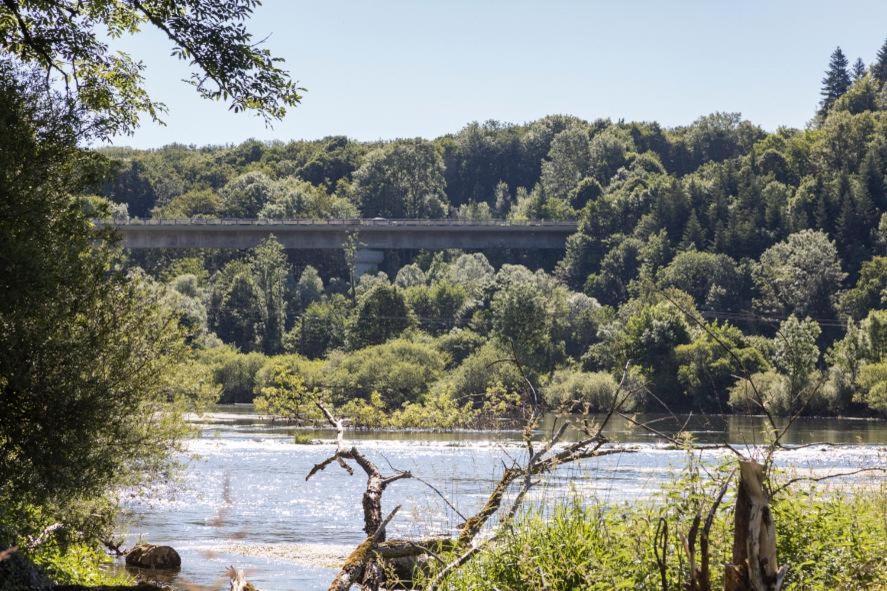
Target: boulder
154, 557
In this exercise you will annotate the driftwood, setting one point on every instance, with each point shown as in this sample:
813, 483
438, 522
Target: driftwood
364, 566
699, 577
376, 483
237, 580
754, 566
361, 567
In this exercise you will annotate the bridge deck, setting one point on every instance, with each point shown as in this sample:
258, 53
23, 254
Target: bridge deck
331, 234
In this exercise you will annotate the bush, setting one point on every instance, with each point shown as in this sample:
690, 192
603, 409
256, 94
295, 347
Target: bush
284, 388
577, 390
234, 372
484, 369
818, 397
437, 410
873, 380
369, 414
772, 387
400, 370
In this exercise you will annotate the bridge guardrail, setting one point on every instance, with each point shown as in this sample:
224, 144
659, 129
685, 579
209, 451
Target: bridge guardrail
360, 222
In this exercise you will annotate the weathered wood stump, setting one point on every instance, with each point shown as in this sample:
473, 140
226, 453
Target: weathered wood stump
754, 566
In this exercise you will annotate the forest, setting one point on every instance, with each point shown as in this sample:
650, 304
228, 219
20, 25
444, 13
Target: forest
691, 237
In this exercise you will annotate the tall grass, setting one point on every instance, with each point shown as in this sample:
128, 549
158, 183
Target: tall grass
830, 542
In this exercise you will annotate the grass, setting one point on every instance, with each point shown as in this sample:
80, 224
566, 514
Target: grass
834, 543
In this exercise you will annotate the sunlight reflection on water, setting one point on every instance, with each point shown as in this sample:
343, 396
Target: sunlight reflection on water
242, 498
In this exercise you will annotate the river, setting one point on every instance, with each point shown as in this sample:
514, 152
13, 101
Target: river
241, 497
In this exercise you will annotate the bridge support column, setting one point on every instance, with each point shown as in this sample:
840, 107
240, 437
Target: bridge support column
367, 260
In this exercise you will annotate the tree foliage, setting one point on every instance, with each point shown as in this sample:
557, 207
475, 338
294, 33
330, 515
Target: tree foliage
66, 41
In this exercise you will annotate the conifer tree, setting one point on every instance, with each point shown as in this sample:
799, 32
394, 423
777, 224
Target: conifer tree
694, 234
858, 70
836, 81
879, 68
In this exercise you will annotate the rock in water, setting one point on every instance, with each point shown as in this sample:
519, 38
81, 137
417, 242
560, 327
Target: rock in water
156, 557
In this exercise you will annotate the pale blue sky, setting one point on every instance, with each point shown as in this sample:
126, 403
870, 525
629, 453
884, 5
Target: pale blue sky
397, 68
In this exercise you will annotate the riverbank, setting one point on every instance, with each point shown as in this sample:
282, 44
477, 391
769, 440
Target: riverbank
829, 543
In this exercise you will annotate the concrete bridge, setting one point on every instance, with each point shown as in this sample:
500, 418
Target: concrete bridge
373, 235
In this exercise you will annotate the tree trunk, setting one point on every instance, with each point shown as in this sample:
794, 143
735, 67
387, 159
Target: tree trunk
754, 566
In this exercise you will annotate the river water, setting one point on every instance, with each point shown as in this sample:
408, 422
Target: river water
242, 499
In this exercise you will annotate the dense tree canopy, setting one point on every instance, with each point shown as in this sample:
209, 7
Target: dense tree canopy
690, 238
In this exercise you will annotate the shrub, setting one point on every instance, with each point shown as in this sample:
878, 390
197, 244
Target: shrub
400, 370
284, 389
370, 414
234, 372
819, 396
483, 369
579, 390
773, 388
873, 380
437, 410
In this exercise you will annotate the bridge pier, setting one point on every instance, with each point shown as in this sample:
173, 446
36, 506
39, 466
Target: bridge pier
367, 260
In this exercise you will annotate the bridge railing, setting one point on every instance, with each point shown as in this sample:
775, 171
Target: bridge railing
354, 222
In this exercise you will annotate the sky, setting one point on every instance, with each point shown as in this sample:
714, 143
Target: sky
383, 69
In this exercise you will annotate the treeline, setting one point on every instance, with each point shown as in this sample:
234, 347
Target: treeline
690, 239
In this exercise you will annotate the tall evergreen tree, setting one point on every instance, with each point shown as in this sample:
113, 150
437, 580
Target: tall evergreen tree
879, 68
858, 70
836, 81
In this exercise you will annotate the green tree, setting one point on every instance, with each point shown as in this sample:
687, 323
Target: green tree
585, 192
271, 271
436, 307
649, 339
568, 161
799, 275
709, 278
795, 351
858, 69
836, 82
294, 199
238, 316
707, 366
193, 204
403, 179
129, 184
381, 313
309, 288
879, 67
83, 407
521, 322
68, 42
320, 329
246, 195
